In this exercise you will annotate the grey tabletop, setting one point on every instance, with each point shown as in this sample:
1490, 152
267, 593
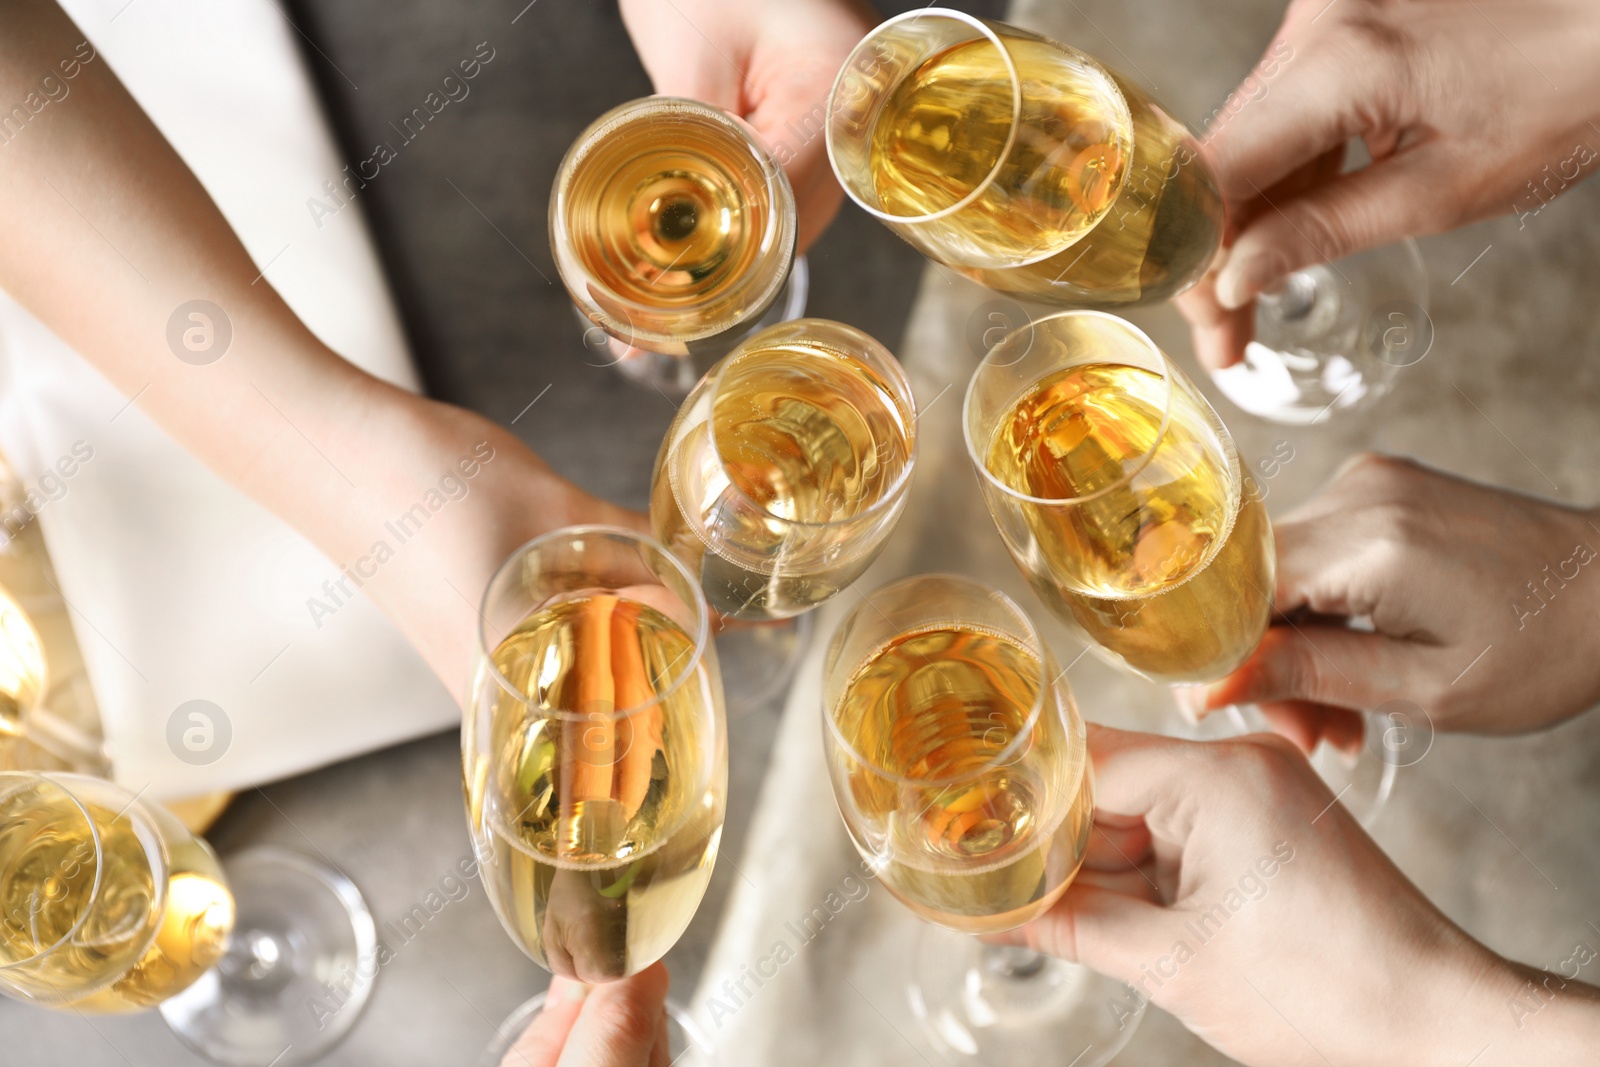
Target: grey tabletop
491, 330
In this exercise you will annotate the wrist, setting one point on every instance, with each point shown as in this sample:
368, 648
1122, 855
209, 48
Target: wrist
1510, 1014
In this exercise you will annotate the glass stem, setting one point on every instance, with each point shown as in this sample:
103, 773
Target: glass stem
1294, 297
1014, 962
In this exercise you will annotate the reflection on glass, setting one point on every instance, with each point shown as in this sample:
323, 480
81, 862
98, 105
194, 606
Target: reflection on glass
1024, 164
787, 468
1119, 494
960, 764
673, 231
594, 751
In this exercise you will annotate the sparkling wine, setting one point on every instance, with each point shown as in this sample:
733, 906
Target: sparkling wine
664, 224
987, 816
1135, 215
1144, 538
597, 824
128, 943
1157, 238
756, 488
948, 125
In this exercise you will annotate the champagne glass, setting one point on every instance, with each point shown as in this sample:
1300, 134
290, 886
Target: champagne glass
1119, 494
1021, 163
109, 905
781, 479
674, 232
594, 753
1334, 337
960, 765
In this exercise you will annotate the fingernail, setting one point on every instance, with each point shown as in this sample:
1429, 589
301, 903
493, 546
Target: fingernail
1241, 279
565, 991
1191, 701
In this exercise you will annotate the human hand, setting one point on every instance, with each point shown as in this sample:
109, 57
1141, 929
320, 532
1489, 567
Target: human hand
1485, 606
1469, 109
772, 62
1224, 884
619, 1024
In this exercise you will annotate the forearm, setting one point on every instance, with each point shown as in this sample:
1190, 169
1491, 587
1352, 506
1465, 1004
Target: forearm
1510, 1015
1519, 1015
108, 234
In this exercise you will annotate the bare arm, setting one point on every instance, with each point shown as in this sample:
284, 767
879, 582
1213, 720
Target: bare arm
107, 233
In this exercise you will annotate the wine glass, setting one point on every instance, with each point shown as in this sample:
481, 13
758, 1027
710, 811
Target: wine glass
780, 480
108, 905
1021, 163
594, 753
674, 232
1333, 337
1119, 494
960, 765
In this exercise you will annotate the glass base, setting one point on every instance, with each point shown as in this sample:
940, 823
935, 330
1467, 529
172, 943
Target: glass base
759, 659
1334, 338
675, 376
299, 967
1000, 1006
687, 1044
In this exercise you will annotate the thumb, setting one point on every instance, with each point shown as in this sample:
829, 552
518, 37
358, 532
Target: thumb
1105, 931
619, 1023
1376, 205
541, 1043
1328, 665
